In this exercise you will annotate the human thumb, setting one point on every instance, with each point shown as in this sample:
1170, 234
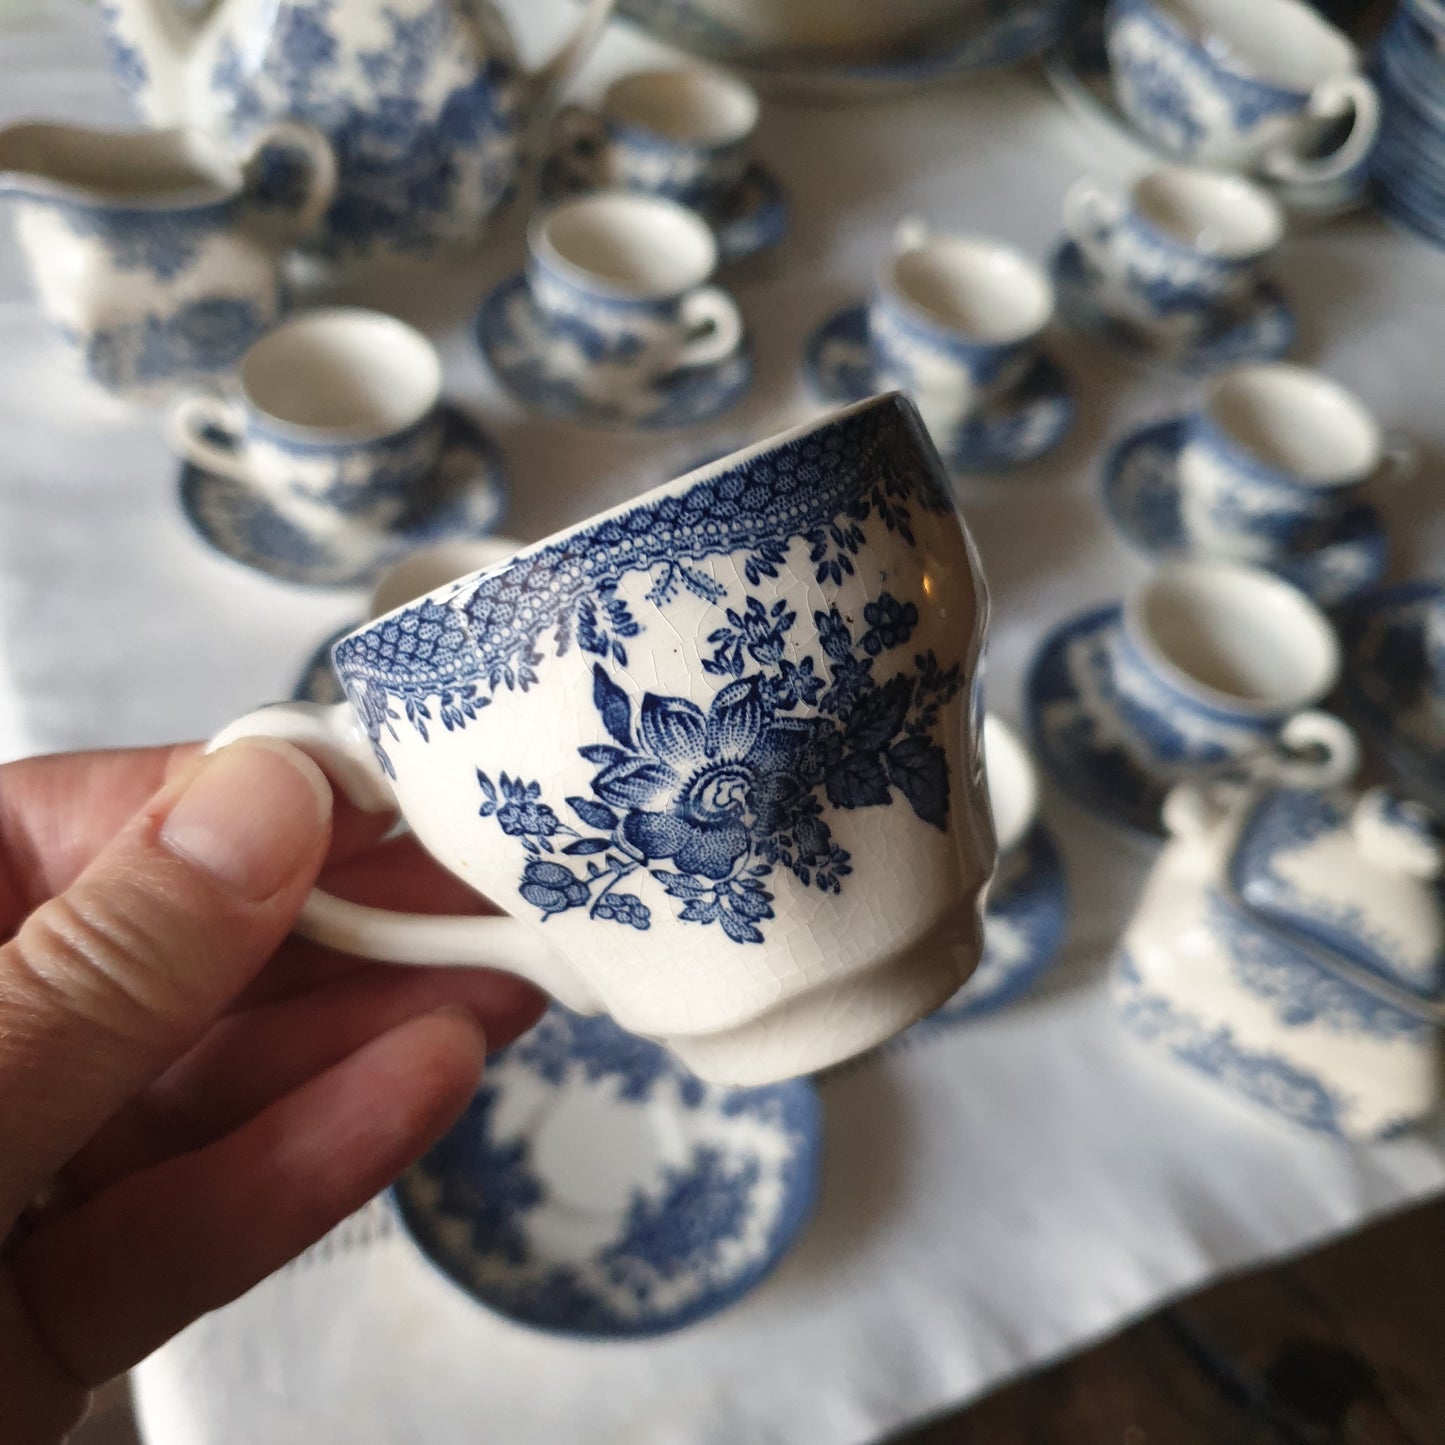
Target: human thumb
106, 984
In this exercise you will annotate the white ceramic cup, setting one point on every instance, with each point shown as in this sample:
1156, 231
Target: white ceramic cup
762, 841
1274, 453
333, 415
681, 133
1013, 785
955, 320
620, 279
1178, 242
1219, 665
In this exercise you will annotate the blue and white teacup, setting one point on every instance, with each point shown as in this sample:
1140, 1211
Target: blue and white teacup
1218, 665
1274, 454
620, 281
1177, 244
1434, 640
1244, 84
333, 415
725, 778
683, 133
955, 321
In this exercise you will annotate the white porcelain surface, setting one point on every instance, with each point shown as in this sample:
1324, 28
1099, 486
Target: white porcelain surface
1238, 959
429, 568
1013, 787
803, 867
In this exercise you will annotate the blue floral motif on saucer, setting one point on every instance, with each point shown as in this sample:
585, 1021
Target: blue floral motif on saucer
1019, 427
549, 372
317, 681
750, 218
1259, 328
466, 496
1078, 733
594, 1187
1025, 920
1385, 686
1141, 493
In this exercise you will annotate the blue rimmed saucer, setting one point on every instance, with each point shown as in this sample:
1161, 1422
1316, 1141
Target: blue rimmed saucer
752, 217
1260, 327
1384, 685
596, 1188
317, 681
1024, 924
465, 497
1078, 734
1022, 425
548, 373
1141, 493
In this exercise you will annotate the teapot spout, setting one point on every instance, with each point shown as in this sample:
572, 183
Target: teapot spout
150, 45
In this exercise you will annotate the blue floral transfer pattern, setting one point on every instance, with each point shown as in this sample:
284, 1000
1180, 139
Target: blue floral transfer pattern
710, 803
199, 336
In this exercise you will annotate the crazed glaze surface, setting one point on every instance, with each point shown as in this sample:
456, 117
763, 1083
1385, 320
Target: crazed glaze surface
721, 744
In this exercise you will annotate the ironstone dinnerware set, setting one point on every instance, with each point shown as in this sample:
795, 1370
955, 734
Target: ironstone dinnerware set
731, 733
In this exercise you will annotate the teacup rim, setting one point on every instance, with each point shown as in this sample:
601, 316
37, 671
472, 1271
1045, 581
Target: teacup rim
712, 73
327, 436
1212, 699
675, 486
1254, 193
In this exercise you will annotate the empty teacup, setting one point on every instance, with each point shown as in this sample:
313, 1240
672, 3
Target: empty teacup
955, 320
1218, 665
1248, 84
1274, 453
620, 280
333, 415
679, 133
1178, 243
726, 776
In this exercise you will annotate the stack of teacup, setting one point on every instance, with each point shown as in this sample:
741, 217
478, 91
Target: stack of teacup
1409, 165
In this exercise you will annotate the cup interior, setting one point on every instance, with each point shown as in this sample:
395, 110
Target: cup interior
432, 568
1013, 789
345, 371
975, 288
1292, 420
631, 245
1235, 637
1208, 211
1282, 42
692, 107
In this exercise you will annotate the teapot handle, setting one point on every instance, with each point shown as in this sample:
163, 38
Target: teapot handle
307, 203
551, 77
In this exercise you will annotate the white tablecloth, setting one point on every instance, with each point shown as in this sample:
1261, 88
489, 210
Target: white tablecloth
993, 1197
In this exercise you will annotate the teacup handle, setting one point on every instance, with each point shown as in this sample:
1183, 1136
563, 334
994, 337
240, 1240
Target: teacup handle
204, 411
1331, 100
1313, 750
318, 186
714, 328
332, 737
1091, 212
1401, 460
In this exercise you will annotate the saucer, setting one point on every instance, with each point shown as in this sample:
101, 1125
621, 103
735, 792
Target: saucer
1077, 733
464, 497
1383, 688
1024, 923
750, 218
596, 1188
550, 373
318, 681
1141, 493
1261, 327
1018, 427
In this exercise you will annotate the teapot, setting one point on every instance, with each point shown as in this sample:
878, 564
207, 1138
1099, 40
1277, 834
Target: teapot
157, 254
1290, 943
424, 102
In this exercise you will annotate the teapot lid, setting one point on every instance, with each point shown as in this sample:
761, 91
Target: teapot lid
1357, 876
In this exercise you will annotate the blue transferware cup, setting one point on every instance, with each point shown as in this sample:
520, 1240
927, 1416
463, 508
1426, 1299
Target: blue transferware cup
955, 321
619, 280
683, 133
725, 777
333, 415
1273, 456
1217, 667
1258, 85
1175, 246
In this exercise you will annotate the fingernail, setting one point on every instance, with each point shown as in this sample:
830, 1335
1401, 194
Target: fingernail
250, 815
